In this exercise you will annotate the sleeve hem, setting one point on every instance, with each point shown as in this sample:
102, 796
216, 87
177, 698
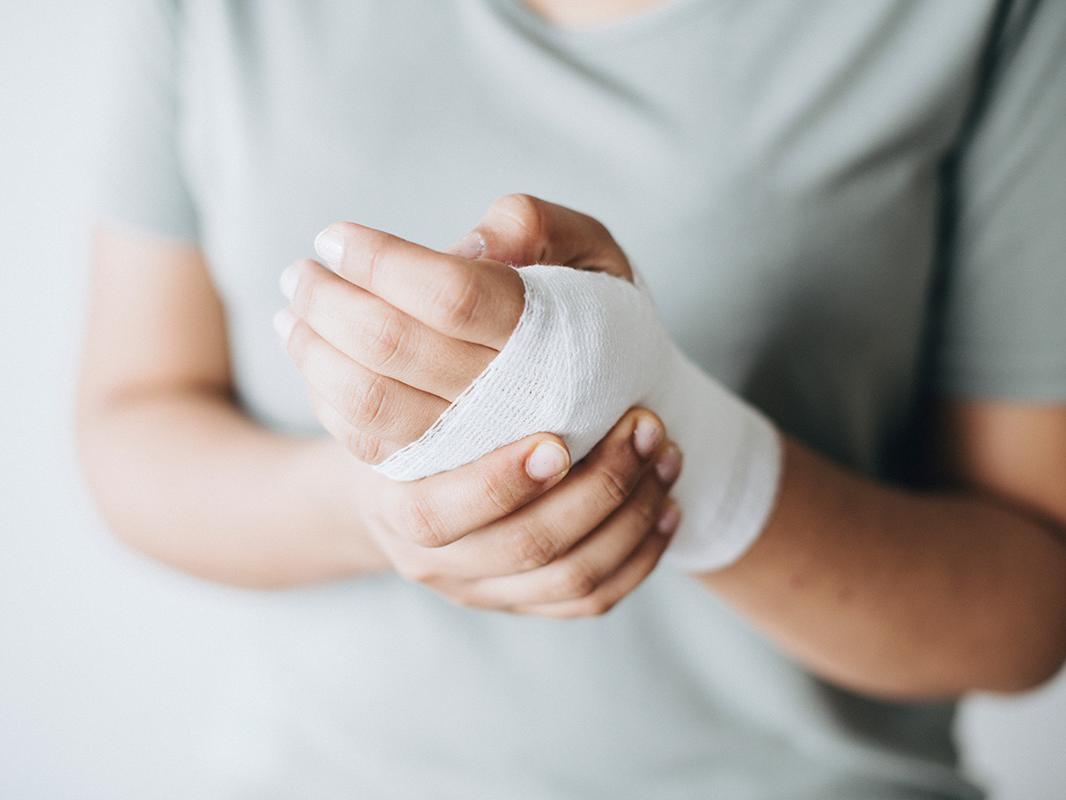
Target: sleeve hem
168, 233
1019, 374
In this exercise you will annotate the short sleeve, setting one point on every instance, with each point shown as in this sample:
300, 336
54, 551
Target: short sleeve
1003, 320
139, 179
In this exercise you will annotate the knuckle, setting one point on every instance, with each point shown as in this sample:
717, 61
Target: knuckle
498, 492
367, 449
457, 302
532, 547
387, 341
367, 402
375, 246
612, 486
527, 214
423, 525
645, 510
577, 581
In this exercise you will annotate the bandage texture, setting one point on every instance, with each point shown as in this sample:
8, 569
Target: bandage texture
587, 347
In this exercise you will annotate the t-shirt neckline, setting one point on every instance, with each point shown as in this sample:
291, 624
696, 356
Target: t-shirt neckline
639, 24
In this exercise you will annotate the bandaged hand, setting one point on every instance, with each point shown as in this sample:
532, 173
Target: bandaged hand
392, 333
520, 529
568, 354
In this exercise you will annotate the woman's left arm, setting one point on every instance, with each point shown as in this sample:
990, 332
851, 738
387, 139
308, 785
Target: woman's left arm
920, 594
890, 591
914, 594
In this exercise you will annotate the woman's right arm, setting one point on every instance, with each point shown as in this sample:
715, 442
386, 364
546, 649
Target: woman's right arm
181, 474
178, 471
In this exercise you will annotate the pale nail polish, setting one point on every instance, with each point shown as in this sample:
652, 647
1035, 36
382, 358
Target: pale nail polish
546, 461
470, 246
668, 466
646, 436
289, 280
668, 520
330, 248
284, 322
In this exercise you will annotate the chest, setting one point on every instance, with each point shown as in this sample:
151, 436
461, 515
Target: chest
772, 169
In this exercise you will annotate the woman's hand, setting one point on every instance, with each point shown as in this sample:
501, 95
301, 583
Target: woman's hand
396, 331
392, 335
519, 229
491, 535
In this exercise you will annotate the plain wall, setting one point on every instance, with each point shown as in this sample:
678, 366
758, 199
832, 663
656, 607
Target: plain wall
106, 660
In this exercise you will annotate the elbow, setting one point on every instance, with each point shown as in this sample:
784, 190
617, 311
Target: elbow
1028, 649
101, 473
1034, 668
1002, 660
1045, 656
1034, 652
113, 469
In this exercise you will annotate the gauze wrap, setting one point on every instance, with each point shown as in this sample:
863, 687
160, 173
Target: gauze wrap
587, 347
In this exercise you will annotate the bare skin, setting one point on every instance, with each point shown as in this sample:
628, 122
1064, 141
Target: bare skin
182, 475
567, 13
893, 592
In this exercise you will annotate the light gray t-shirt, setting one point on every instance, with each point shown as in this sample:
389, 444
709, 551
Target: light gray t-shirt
839, 206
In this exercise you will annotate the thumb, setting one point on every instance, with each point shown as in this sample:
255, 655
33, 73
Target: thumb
520, 229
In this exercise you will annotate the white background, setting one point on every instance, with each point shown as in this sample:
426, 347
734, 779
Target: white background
106, 660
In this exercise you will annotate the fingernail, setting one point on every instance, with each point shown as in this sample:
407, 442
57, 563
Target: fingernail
668, 520
669, 465
646, 436
290, 278
284, 321
330, 248
470, 246
546, 461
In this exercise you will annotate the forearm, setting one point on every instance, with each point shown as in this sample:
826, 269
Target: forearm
902, 593
183, 476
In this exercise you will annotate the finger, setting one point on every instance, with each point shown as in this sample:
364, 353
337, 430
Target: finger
520, 229
477, 302
607, 595
366, 447
369, 402
441, 509
580, 572
380, 337
551, 525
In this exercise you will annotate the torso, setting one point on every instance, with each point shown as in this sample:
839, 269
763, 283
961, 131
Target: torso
776, 181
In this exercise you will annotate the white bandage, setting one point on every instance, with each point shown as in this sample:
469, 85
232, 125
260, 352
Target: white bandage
588, 347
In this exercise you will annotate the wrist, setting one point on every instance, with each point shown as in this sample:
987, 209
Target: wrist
733, 458
343, 494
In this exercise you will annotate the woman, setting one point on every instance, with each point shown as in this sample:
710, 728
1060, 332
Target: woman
848, 213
